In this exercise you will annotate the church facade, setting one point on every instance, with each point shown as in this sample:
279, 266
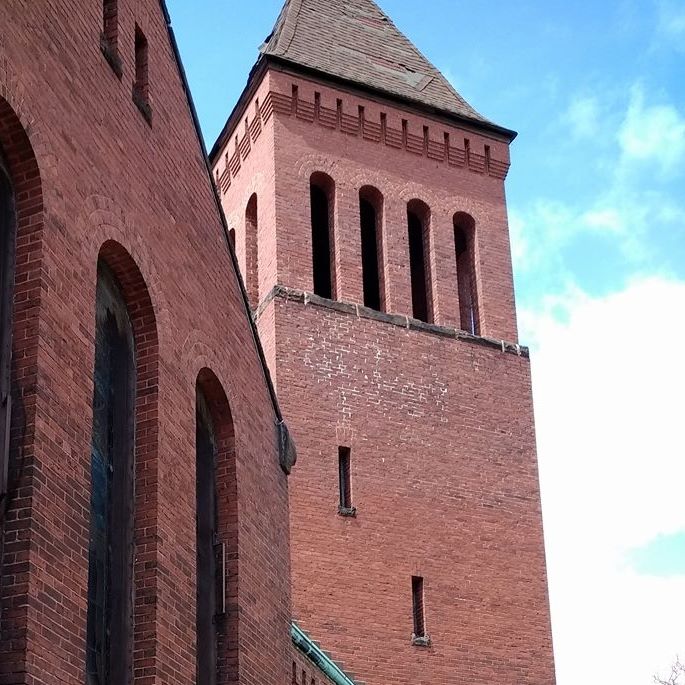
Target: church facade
335, 274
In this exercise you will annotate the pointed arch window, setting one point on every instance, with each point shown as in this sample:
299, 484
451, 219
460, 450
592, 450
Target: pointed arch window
418, 226
371, 224
110, 553
7, 266
216, 533
464, 247
322, 197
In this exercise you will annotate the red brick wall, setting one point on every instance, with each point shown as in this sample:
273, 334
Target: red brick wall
106, 175
444, 471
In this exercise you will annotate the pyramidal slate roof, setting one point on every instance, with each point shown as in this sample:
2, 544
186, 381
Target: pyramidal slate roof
356, 41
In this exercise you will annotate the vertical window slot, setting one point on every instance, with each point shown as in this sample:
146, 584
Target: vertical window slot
418, 609
141, 86
344, 482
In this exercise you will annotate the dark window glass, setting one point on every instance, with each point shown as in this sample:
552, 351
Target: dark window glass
209, 552
110, 556
7, 265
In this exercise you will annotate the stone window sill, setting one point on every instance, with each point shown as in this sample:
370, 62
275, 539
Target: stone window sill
421, 641
348, 512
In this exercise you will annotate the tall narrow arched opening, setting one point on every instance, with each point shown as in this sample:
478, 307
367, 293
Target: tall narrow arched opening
371, 226
123, 472
216, 535
252, 251
8, 229
322, 200
109, 629
418, 227
21, 289
465, 252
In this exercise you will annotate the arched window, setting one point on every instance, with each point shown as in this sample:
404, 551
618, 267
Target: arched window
251, 251
217, 534
110, 554
322, 194
7, 265
371, 224
464, 247
418, 225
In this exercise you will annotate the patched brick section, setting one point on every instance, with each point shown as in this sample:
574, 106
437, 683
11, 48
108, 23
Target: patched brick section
445, 486
152, 196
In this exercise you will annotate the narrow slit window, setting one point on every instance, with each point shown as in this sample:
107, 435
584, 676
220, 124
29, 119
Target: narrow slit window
141, 86
110, 23
371, 217
418, 218
231, 237
109, 39
7, 267
209, 557
418, 607
322, 196
344, 480
251, 251
110, 554
464, 247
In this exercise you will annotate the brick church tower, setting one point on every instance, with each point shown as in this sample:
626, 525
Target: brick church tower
367, 206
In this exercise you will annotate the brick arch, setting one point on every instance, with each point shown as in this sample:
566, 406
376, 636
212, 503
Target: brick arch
102, 220
311, 163
19, 157
219, 409
144, 324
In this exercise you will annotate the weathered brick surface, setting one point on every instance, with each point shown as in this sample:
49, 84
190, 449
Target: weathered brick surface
444, 471
94, 178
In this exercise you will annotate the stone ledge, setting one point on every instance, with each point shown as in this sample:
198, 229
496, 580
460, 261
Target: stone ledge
361, 312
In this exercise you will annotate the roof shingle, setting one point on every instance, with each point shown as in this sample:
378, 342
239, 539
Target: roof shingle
356, 41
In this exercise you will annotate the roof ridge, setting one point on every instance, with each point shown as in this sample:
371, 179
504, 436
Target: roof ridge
358, 42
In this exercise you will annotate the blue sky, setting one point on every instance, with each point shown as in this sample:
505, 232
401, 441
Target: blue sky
596, 196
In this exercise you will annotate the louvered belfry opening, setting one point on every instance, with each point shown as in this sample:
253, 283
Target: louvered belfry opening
110, 554
209, 561
371, 218
418, 226
7, 267
322, 197
418, 608
464, 247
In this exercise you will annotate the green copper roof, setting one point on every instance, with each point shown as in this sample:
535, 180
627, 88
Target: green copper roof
318, 657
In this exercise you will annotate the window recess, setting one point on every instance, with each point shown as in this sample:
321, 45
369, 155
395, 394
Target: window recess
345, 507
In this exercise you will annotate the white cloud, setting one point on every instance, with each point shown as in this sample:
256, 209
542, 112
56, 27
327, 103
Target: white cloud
608, 384
652, 132
583, 116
